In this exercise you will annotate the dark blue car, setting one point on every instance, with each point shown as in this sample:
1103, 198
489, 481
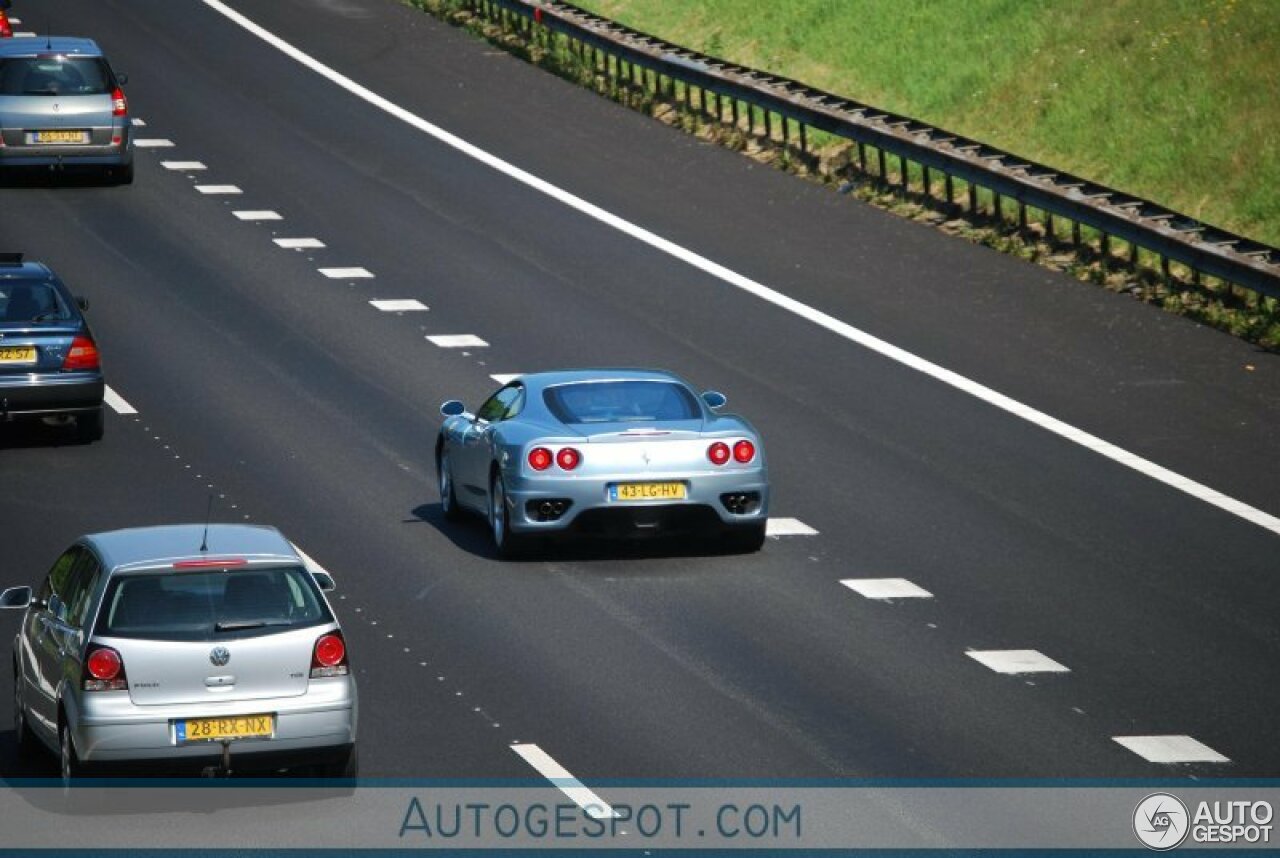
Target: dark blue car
49, 361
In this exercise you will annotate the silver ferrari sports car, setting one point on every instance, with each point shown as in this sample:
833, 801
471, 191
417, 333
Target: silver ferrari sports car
609, 452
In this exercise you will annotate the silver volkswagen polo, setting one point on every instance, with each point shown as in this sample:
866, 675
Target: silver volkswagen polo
200, 649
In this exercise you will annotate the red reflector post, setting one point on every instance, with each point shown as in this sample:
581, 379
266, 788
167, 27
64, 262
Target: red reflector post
539, 458
568, 458
83, 354
718, 453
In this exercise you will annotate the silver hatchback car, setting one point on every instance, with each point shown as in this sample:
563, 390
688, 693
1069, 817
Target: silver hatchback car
195, 648
61, 105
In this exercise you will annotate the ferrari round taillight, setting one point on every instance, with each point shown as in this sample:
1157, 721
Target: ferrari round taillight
539, 458
330, 650
744, 451
718, 453
568, 458
104, 663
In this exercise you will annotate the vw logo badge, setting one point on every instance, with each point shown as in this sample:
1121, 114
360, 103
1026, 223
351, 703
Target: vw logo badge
219, 656
56, 107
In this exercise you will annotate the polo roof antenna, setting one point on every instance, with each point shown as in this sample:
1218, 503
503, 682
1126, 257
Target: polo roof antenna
208, 513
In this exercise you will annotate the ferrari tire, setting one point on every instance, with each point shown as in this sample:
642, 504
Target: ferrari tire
510, 546
448, 494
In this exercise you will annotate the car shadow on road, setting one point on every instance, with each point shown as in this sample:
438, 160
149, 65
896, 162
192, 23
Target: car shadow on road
36, 433
43, 178
471, 534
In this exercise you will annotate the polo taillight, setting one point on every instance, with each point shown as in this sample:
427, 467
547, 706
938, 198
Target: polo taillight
104, 670
83, 354
329, 658
119, 104
6, 29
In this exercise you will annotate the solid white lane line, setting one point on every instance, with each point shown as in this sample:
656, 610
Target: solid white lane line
1170, 749
832, 324
25, 34
298, 243
152, 143
258, 214
788, 527
116, 402
345, 273
1017, 661
218, 189
399, 305
457, 341
886, 588
135, 121
504, 378
183, 165
560, 777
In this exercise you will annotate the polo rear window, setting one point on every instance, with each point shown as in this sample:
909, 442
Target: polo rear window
210, 604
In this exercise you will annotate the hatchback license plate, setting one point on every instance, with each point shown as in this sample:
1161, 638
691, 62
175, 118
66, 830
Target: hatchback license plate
647, 491
72, 137
17, 354
216, 729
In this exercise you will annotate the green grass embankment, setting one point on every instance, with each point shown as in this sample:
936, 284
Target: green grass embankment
1174, 100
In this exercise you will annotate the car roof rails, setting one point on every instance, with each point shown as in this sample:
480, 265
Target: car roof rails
10, 258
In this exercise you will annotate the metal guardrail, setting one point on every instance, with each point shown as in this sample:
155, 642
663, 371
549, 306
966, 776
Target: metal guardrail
625, 55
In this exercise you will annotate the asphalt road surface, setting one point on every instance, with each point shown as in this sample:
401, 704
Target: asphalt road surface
293, 400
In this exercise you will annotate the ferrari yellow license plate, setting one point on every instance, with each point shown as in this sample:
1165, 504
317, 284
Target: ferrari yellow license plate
647, 491
216, 729
60, 136
17, 354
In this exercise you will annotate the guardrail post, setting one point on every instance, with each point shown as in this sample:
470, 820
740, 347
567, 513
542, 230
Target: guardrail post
1022, 215
768, 124
884, 166
973, 198
949, 188
734, 105
1075, 233
862, 157
1048, 227
927, 182
998, 207
1134, 257
804, 140
906, 175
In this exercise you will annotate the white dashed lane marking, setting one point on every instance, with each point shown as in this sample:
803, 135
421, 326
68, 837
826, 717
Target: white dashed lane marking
505, 378
560, 777
258, 214
788, 527
399, 305
1170, 749
152, 143
183, 165
457, 341
139, 123
1015, 661
25, 34
298, 243
886, 588
345, 273
218, 189
117, 403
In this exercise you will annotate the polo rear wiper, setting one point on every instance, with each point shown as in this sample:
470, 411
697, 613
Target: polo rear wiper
249, 624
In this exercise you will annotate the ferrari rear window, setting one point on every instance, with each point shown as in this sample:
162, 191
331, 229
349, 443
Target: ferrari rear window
54, 75
620, 401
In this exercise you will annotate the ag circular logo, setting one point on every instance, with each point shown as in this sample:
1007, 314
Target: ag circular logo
1160, 820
